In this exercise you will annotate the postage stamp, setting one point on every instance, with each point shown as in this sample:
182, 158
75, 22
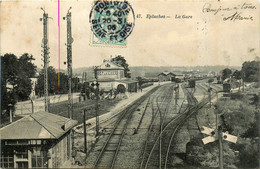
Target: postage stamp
111, 22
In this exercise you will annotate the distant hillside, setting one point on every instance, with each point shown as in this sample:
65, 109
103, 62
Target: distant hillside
150, 71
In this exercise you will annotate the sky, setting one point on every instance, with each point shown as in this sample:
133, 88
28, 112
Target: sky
205, 39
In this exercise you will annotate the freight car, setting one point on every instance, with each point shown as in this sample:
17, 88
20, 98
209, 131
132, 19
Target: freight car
226, 87
191, 83
177, 80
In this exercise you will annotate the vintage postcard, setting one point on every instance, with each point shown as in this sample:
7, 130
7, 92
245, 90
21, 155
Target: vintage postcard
130, 84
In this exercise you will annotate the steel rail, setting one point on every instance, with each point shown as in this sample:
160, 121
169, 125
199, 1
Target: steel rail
150, 127
166, 126
192, 110
129, 108
176, 128
163, 119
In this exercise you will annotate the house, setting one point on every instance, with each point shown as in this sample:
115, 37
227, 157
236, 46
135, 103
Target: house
110, 75
38, 140
109, 70
166, 76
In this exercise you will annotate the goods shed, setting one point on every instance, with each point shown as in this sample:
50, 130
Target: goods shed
166, 76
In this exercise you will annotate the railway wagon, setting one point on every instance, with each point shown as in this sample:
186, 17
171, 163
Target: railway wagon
192, 83
172, 79
178, 80
226, 87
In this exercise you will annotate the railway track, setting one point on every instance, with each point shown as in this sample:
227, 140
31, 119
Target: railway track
189, 92
107, 155
159, 107
153, 155
190, 112
163, 115
171, 127
160, 134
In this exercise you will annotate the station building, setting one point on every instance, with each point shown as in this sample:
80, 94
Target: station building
111, 75
38, 140
166, 76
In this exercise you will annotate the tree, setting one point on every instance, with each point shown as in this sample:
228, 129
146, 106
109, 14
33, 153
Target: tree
86, 90
16, 74
120, 60
238, 115
26, 70
26, 66
226, 73
251, 71
255, 100
52, 82
9, 69
238, 76
121, 88
23, 88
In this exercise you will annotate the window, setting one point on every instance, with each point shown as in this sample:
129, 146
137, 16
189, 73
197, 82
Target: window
7, 158
21, 152
16, 142
39, 158
107, 65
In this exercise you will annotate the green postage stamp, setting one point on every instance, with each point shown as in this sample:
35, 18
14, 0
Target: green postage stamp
111, 22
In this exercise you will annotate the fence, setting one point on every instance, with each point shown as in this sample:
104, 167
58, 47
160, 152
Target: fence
25, 107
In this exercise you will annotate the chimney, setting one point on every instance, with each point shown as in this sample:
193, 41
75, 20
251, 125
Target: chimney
10, 112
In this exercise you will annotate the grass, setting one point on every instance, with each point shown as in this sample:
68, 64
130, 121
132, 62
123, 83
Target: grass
62, 108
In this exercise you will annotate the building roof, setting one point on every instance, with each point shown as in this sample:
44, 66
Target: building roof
167, 73
41, 125
127, 81
109, 65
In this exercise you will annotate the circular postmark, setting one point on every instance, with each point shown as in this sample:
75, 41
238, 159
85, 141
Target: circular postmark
112, 21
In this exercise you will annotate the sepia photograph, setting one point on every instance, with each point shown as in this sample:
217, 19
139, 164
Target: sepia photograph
137, 84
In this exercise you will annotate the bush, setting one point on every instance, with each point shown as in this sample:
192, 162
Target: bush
238, 116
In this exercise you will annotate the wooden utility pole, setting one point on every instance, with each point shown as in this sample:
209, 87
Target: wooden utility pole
176, 89
85, 132
97, 115
209, 90
220, 147
69, 61
95, 85
217, 134
84, 77
46, 48
10, 112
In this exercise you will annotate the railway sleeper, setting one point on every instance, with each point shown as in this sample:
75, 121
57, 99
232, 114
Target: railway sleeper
128, 131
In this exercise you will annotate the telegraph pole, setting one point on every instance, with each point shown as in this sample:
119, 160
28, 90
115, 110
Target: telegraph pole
69, 61
176, 89
46, 48
95, 85
220, 140
85, 132
220, 147
84, 77
209, 90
